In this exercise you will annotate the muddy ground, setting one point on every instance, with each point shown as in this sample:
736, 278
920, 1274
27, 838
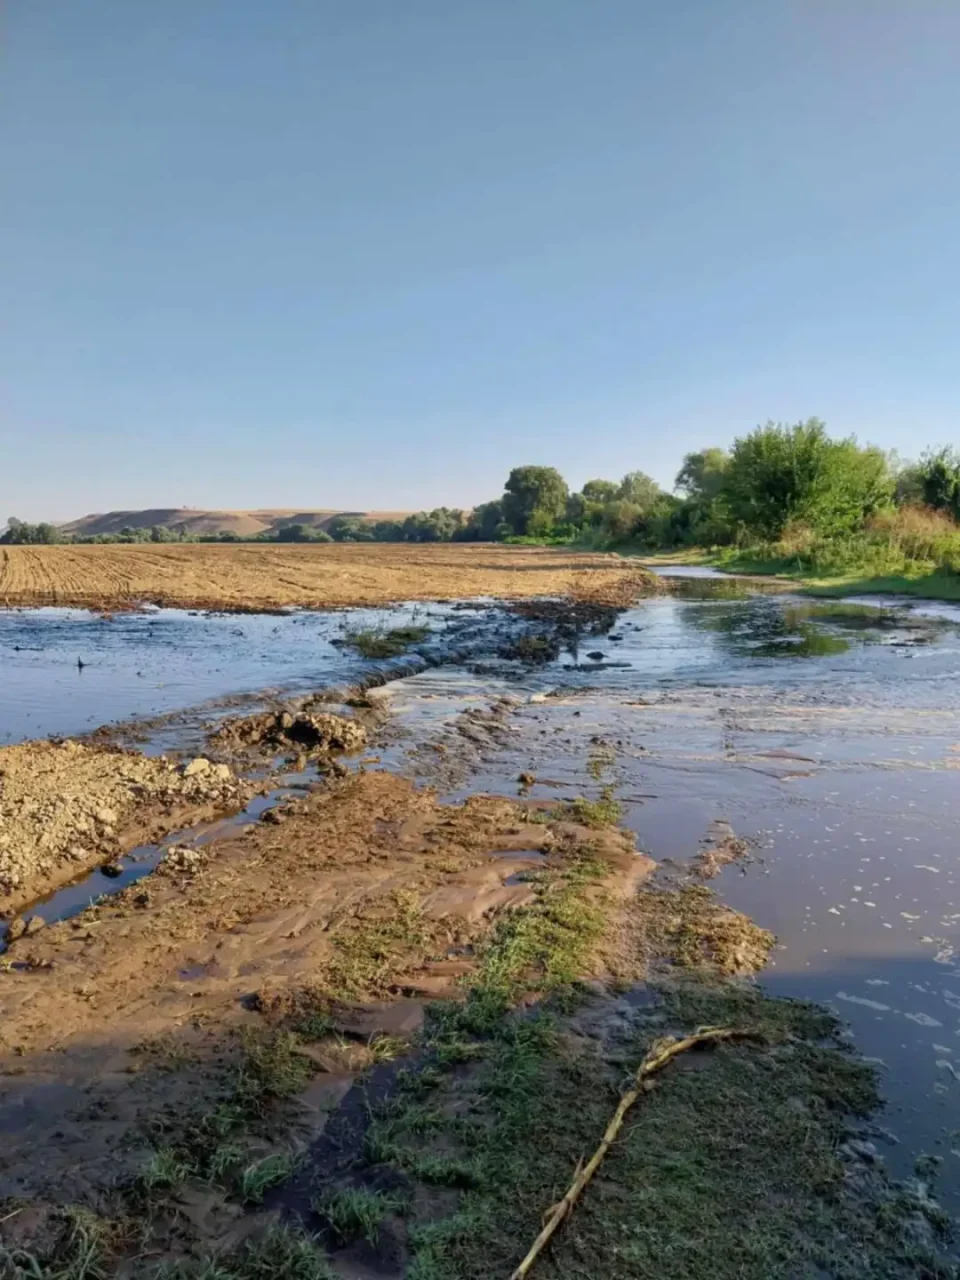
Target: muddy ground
68, 806
257, 577
375, 1033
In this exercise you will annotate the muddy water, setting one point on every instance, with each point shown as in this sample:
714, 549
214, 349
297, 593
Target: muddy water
828, 736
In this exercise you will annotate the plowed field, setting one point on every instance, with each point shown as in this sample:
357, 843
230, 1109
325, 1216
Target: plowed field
262, 577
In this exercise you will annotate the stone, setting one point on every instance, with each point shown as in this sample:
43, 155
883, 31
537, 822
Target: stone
200, 765
112, 869
16, 929
34, 925
106, 817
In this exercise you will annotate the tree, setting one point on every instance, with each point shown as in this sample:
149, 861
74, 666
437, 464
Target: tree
702, 474
293, 533
939, 476
534, 491
600, 491
638, 489
781, 474
483, 523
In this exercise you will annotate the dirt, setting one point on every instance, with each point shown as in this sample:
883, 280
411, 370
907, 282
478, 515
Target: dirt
67, 806
256, 577
369, 890
304, 731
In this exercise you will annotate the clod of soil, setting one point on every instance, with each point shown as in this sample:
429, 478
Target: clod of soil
66, 807
280, 730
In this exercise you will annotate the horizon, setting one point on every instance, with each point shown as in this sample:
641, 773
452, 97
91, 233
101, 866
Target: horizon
372, 261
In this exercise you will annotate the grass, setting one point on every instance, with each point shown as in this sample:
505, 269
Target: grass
377, 643
603, 812
355, 1213
730, 1171
81, 1249
282, 1251
271, 1171
367, 952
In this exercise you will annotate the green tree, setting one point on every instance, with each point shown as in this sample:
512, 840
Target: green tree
600, 491
483, 523
939, 477
639, 490
534, 491
702, 475
781, 474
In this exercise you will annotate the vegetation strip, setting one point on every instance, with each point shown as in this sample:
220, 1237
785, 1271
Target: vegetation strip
655, 1061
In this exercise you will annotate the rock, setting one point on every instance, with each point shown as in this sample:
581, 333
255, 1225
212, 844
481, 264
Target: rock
16, 929
222, 772
106, 817
184, 858
112, 869
274, 816
527, 779
200, 765
34, 925
596, 656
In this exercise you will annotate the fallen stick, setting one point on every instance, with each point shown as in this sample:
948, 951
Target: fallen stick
658, 1057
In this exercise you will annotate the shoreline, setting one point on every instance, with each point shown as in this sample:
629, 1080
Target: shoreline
936, 587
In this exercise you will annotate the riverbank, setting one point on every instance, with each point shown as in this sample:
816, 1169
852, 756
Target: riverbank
937, 585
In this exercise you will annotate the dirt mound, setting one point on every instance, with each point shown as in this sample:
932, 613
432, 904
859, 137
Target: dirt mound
66, 806
306, 731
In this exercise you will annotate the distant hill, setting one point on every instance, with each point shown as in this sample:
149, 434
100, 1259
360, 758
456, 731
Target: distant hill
195, 520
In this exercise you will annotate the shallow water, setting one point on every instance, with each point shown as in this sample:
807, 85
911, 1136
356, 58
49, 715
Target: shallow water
829, 737
826, 733
67, 671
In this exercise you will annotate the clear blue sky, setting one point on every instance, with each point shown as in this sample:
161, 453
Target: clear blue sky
373, 253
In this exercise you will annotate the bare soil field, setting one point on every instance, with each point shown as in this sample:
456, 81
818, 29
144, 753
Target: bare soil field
255, 577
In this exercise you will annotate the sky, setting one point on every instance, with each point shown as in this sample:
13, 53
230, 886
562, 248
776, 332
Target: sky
374, 253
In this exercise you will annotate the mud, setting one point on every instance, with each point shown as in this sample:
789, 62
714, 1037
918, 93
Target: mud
65, 807
239, 926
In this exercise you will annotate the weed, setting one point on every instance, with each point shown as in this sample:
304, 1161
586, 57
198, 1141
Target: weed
271, 1171
282, 1251
352, 1213
81, 1250
385, 644
165, 1170
366, 952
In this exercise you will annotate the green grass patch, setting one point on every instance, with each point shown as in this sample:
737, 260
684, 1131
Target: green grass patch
729, 1171
355, 1213
80, 1246
375, 643
281, 1252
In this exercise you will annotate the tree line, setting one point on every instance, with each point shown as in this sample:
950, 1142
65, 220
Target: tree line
782, 484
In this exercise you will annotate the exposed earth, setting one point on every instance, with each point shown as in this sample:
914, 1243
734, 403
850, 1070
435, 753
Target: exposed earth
256, 577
